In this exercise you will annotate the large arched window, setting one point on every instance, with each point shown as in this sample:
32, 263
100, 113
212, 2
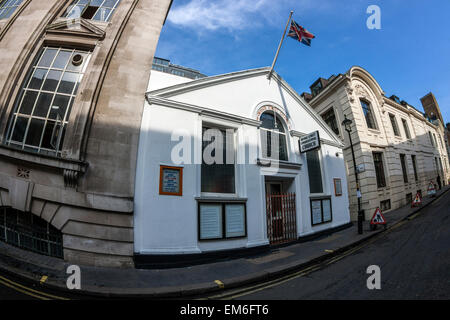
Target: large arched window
272, 130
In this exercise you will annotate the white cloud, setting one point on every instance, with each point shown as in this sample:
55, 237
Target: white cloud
229, 15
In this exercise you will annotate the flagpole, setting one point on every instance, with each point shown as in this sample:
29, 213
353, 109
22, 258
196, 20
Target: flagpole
279, 46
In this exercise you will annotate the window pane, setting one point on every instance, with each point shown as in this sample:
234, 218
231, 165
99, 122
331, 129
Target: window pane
35, 132
37, 79
48, 57
62, 59
28, 102
19, 129
68, 82
43, 104
314, 171
102, 14
330, 119
52, 80
218, 178
368, 115
379, 169
59, 107
46, 140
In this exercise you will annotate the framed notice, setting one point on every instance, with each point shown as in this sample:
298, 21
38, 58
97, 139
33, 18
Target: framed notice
321, 211
326, 210
337, 187
211, 221
316, 211
171, 181
221, 220
235, 220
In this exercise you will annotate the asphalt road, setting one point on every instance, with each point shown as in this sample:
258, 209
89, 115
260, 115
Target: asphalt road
414, 260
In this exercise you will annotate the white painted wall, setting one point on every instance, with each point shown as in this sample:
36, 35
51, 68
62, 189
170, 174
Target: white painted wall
168, 224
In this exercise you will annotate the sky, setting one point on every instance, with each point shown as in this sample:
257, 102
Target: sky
409, 56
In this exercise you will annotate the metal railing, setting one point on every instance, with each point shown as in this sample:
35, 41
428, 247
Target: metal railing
281, 218
30, 232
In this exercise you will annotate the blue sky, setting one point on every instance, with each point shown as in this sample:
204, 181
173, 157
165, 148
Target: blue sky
409, 56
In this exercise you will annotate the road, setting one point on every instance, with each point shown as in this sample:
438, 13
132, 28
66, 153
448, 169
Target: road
414, 260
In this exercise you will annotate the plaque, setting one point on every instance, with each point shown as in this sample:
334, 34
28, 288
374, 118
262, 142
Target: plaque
171, 181
337, 187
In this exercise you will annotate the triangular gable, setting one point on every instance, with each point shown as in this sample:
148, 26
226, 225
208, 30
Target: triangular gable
76, 27
172, 91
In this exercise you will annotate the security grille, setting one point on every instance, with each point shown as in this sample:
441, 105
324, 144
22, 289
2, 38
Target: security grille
29, 232
281, 218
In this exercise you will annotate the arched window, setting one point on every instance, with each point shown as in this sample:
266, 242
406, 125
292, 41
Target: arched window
272, 129
29, 232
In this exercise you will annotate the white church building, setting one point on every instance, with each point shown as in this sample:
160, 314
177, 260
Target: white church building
230, 164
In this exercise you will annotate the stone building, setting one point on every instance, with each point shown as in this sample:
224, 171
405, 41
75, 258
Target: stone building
433, 112
72, 81
398, 150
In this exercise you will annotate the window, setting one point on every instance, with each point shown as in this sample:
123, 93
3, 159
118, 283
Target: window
379, 169
218, 171
431, 138
434, 140
409, 198
367, 110
413, 159
385, 205
314, 171
394, 125
221, 221
316, 88
100, 10
406, 128
7, 8
330, 118
320, 211
29, 232
271, 129
43, 107
404, 170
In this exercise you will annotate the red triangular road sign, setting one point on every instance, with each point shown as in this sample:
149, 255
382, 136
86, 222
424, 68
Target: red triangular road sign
417, 201
378, 217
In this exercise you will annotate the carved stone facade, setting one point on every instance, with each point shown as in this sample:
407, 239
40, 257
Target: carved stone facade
85, 188
409, 160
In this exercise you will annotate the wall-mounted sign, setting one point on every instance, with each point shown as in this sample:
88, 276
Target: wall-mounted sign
171, 181
337, 187
309, 142
361, 168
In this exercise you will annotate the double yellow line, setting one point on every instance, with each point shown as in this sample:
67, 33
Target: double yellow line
28, 291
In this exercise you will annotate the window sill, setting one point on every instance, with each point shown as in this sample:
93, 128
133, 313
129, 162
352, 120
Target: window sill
42, 160
278, 163
220, 198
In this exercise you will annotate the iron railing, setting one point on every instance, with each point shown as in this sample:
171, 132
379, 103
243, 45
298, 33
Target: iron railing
281, 218
29, 232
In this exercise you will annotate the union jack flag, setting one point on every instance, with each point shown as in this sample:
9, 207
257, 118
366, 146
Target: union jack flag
301, 34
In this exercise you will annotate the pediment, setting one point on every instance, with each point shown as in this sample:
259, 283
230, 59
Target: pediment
76, 27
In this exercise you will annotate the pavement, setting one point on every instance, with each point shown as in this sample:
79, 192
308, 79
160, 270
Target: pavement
203, 279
